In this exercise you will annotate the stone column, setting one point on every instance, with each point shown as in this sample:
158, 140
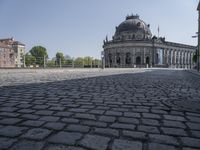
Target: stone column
167, 57
144, 61
179, 58
115, 62
191, 60
183, 57
170, 58
188, 61
124, 60
175, 57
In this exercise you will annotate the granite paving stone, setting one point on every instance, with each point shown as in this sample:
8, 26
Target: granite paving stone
11, 131
62, 147
5, 143
107, 119
78, 128
107, 131
128, 120
65, 137
165, 139
102, 109
176, 124
156, 146
36, 134
10, 121
85, 116
95, 123
148, 129
28, 145
126, 145
174, 131
123, 126
49, 118
54, 125
135, 134
33, 123
95, 142
190, 142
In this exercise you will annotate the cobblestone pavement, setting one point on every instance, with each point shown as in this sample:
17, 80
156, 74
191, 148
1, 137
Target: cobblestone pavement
148, 110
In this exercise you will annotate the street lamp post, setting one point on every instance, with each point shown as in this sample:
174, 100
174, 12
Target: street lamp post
102, 60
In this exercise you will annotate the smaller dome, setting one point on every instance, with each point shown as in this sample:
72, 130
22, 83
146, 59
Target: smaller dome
133, 27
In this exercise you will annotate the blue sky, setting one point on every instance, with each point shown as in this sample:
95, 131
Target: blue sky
78, 27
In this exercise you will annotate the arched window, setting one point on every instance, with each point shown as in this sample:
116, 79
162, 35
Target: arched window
138, 60
128, 58
118, 59
133, 36
147, 60
110, 58
157, 58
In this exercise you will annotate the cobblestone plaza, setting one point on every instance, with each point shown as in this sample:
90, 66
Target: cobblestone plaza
91, 109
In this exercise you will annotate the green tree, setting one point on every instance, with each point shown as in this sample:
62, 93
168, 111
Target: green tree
87, 61
40, 53
79, 61
51, 63
96, 62
60, 58
29, 59
68, 60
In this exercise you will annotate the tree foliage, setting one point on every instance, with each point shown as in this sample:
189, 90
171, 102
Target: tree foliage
39, 53
60, 58
29, 59
87, 61
79, 61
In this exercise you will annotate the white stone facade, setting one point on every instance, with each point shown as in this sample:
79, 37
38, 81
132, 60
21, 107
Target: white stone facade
133, 46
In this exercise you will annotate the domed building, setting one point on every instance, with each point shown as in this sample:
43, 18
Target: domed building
134, 46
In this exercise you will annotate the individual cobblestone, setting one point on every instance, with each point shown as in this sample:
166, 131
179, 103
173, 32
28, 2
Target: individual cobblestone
36, 134
128, 120
33, 123
49, 118
10, 121
85, 116
174, 131
11, 131
156, 146
28, 145
54, 125
191, 142
5, 143
135, 134
62, 147
65, 138
78, 128
107, 119
148, 129
95, 142
163, 139
126, 145
107, 131
123, 126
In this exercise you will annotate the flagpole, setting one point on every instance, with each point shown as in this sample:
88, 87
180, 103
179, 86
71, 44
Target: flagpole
158, 31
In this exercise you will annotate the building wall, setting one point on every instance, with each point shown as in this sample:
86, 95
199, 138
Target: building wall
146, 54
18, 49
6, 57
19, 54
